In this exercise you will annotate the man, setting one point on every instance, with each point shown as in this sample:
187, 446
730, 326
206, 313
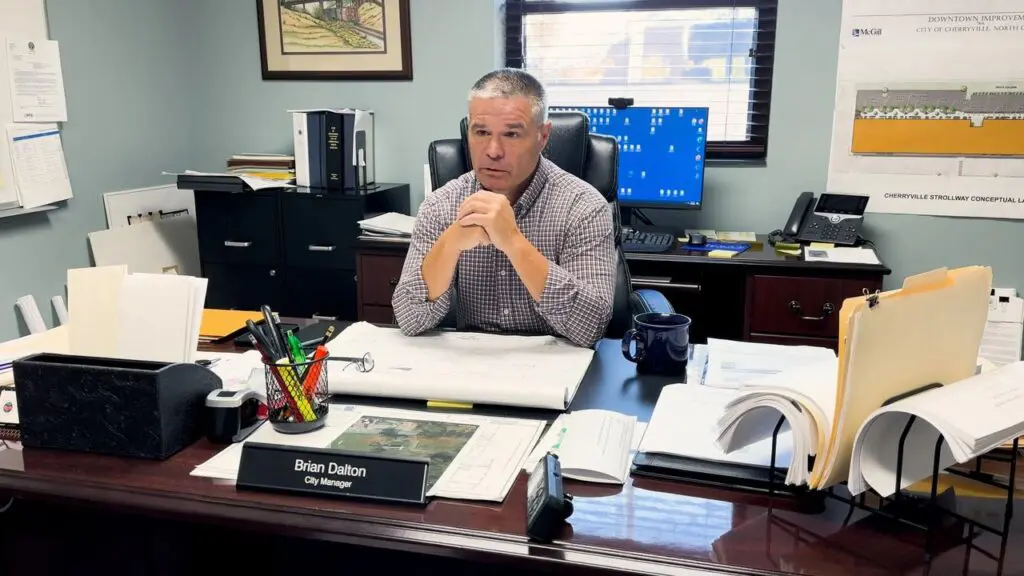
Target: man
526, 246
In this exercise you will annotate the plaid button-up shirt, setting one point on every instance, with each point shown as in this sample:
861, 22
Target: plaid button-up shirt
565, 218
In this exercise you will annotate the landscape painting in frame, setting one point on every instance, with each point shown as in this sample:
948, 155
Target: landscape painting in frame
335, 39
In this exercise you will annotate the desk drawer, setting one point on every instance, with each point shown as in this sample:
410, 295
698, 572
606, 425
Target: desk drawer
378, 276
314, 292
233, 287
320, 232
237, 228
795, 305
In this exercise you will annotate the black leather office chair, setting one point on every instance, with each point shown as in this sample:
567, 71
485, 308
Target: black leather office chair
591, 157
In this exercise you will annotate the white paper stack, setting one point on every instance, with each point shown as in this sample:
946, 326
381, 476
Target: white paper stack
973, 416
731, 364
805, 396
389, 224
153, 317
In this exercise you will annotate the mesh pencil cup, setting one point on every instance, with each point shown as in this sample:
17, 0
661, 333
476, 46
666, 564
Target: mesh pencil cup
297, 398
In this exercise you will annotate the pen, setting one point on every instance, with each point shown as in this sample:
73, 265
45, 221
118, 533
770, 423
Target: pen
273, 333
321, 341
259, 340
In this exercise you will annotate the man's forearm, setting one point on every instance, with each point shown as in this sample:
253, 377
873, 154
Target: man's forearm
530, 265
439, 267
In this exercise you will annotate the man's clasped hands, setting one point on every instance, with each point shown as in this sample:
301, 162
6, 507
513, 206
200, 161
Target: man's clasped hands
483, 219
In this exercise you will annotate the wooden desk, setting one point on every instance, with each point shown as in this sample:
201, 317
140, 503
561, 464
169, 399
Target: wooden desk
646, 526
759, 295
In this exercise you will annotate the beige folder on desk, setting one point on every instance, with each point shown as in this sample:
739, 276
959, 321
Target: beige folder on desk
929, 331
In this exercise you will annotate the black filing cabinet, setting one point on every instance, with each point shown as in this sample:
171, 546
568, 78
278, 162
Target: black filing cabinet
291, 249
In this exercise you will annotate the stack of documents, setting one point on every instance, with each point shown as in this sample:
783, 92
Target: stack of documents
805, 396
891, 345
472, 367
471, 457
391, 224
973, 416
1004, 330
731, 364
591, 445
684, 427
115, 314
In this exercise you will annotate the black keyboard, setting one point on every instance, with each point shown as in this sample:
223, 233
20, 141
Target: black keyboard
640, 241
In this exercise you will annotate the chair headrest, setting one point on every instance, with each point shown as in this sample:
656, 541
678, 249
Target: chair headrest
567, 147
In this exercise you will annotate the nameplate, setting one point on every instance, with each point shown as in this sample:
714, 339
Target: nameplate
336, 473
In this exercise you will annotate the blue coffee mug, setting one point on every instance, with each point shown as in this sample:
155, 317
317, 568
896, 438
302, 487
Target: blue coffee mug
662, 343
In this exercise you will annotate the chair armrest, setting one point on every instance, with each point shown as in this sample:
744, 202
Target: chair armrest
647, 300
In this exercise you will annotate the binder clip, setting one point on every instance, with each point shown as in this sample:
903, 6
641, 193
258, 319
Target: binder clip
872, 298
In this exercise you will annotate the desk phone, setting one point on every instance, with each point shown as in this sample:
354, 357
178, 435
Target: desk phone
833, 218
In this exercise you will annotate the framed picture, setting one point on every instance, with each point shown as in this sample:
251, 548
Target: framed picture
335, 39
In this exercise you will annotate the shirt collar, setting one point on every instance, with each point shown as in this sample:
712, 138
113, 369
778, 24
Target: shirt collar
537, 185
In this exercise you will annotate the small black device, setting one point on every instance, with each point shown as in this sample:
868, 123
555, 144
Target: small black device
697, 239
832, 218
547, 506
232, 415
634, 240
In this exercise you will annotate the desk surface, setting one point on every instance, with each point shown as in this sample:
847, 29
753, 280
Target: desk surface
761, 254
646, 526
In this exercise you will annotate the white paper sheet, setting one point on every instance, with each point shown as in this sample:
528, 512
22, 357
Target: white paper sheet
485, 468
592, 445
37, 84
732, 363
527, 371
37, 156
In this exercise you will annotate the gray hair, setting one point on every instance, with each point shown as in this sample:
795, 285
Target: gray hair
512, 82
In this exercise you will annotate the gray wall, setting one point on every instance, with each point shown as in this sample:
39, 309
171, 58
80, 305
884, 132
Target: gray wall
144, 99
126, 111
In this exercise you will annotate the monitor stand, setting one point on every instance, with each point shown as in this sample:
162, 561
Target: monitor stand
630, 218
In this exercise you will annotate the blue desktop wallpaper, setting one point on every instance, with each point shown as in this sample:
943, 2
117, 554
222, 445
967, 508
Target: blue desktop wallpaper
661, 152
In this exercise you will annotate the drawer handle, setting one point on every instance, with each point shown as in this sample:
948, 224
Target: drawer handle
392, 281
233, 244
659, 285
827, 309
317, 248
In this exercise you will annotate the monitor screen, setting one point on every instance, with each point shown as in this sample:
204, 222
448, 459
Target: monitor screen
661, 153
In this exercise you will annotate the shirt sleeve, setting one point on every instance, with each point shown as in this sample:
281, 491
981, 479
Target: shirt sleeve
414, 313
580, 288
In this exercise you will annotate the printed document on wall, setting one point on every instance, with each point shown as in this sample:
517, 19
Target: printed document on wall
37, 84
40, 174
929, 111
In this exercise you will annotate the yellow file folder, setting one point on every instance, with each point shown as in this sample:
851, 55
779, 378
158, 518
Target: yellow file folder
892, 343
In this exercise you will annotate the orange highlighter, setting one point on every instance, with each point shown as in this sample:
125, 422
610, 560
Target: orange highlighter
313, 374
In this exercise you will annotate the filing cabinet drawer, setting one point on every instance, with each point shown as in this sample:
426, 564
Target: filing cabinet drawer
378, 276
316, 292
234, 287
796, 305
320, 232
237, 228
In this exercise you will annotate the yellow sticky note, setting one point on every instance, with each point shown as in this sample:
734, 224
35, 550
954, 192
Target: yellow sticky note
721, 254
445, 404
789, 252
788, 246
822, 245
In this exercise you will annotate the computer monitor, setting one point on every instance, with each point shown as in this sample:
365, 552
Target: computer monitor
661, 153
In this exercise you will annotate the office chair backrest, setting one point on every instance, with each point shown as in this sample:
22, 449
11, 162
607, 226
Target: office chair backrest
594, 158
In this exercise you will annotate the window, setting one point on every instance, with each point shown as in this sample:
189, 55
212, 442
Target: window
704, 53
